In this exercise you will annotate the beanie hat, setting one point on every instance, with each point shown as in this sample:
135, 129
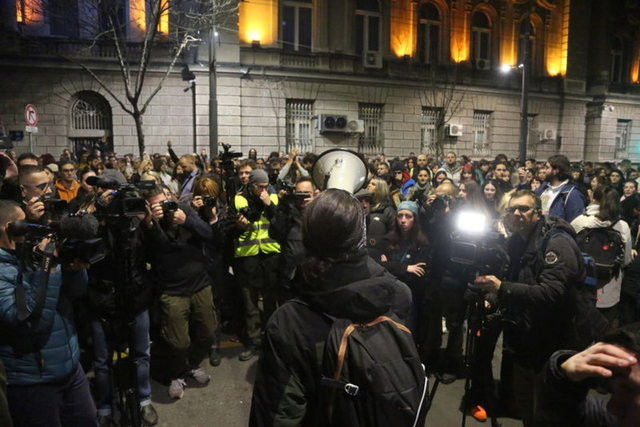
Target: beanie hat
258, 176
409, 206
398, 166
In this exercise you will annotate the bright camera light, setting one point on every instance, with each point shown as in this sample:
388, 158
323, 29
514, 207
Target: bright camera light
471, 222
505, 68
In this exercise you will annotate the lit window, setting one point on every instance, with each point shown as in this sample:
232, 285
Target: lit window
481, 134
298, 122
296, 25
371, 140
163, 20
429, 129
429, 34
481, 41
367, 26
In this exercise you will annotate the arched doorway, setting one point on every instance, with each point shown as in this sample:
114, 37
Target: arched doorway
90, 125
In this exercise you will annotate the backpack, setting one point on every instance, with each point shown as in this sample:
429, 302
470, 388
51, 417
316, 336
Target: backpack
605, 246
372, 375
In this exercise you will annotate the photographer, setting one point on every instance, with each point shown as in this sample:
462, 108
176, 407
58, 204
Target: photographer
538, 293
286, 228
34, 186
256, 256
175, 238
39, 345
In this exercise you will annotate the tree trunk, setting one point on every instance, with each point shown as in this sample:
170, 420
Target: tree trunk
137, 117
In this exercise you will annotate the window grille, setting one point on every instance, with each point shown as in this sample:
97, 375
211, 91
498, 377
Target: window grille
429, 129
623, 128
371, 140
90, 112
298, 121
481, 133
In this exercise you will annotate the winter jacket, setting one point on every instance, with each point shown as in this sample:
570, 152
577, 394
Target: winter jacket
452, 174
42, 349
568, 204
287, 386
609, 294
379, 222
538, 291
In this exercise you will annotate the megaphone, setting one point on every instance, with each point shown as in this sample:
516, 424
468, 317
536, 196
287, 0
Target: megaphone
339, 168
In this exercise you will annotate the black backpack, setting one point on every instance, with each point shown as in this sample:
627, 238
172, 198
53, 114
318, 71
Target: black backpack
605, 246
372, 375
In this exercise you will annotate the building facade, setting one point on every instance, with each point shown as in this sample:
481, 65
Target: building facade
404, 75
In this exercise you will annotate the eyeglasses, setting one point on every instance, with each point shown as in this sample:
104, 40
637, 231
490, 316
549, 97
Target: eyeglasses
521, 208
42, 186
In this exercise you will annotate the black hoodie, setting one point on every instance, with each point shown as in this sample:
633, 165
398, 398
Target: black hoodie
287, 382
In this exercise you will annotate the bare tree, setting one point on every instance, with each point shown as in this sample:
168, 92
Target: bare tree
443, 99
143, 45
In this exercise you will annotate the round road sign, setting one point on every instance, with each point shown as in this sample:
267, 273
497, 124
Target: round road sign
30, 115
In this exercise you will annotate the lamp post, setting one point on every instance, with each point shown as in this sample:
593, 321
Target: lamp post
188, 76
524, 107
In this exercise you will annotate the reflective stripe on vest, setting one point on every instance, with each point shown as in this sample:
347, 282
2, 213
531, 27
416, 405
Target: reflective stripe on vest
256, 240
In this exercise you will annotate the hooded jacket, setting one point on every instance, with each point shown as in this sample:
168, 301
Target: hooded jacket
42, 349
568, 204
538, 291
287, 387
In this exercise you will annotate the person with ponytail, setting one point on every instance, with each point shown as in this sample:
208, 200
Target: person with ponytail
605, 211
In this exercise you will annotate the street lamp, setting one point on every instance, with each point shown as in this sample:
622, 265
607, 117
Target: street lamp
524, 107
188, 76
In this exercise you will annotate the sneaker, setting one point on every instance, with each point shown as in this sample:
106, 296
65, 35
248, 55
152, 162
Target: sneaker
149, 415
200, 375
214, 356
176, 389
248, 353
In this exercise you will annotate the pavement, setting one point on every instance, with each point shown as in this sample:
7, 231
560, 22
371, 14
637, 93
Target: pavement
226, 400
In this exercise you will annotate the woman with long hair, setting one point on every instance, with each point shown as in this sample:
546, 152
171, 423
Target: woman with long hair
438, 178
340, 281
419, 191
492, 196
605, 211
381, 212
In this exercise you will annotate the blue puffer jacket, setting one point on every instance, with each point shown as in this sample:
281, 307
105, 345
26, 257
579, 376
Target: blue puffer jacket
568, 204
43, 349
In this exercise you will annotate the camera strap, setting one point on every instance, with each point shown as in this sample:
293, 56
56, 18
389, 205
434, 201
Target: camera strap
40, 281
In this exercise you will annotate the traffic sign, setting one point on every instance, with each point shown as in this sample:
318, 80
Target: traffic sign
30, 115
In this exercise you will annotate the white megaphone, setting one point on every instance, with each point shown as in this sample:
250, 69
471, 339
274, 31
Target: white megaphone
339, 168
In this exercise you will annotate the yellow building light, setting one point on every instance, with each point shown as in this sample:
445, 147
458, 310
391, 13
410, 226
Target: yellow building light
138, 14
258, 21
28, 11
163, 20
403, 28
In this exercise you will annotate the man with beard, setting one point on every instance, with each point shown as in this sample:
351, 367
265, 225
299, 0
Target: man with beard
537, 293
559, 196
502, 176
451, 167
189, 173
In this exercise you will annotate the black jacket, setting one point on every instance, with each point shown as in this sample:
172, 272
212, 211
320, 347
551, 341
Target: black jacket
379, 223
539, 291
286, 390
178, 254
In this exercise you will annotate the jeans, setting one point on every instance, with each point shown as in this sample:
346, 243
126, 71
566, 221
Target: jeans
66, 402
139, 350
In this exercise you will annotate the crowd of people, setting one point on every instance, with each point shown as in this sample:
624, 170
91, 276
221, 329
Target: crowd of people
196, 247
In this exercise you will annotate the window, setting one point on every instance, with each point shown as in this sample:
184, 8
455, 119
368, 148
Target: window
526, 40
63, 18
367, 26
90, 124
481, 41
371, 140
429, 34
429, 129
481, 134
617, 54
623, 130
296, 25
298, 121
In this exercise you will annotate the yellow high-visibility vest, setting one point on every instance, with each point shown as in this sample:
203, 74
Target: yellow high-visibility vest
257, 239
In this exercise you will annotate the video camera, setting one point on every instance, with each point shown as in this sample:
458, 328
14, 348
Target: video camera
125, 199
227, 155
292, 197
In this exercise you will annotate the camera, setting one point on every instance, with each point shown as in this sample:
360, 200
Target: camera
169, 207
292, 197
227, 155
252, 214
55, 206
209, 201
125, 201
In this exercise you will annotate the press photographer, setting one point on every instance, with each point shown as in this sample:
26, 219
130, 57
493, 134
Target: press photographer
540, 294
176, 237
35, 189
38, 342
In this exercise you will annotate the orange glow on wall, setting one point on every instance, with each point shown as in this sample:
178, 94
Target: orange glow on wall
460, 42
403, 28
28, 11
258, 21
163, 21
635, 65
138, 14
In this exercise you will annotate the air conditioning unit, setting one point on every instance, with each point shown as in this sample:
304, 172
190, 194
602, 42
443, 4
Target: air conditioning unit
332, 123
454, 130
355, 126
548, 135
371, 59
483, 64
